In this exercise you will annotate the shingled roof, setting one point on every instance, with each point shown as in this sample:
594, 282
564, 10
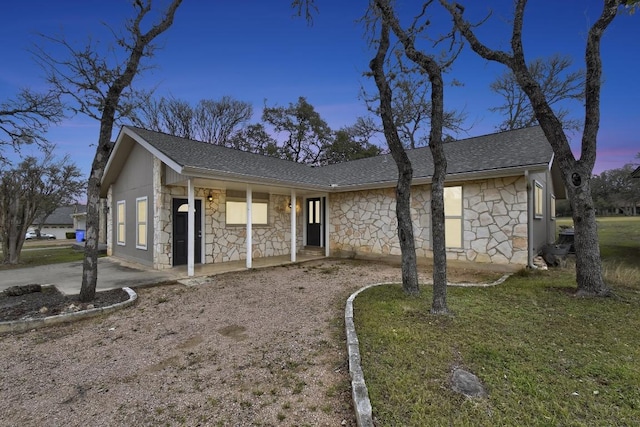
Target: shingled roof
489, 154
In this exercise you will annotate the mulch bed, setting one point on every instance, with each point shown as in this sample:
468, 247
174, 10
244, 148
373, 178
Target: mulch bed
33, 302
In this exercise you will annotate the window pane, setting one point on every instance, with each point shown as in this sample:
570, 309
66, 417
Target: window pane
259, 213
538, 200
236, 213
553, 207
141, 226
453, 201
120, 223
142, 235
453, 232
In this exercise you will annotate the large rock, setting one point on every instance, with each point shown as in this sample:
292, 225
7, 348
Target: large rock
466, 383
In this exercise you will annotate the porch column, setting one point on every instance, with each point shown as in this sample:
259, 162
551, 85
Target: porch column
327, 225
293, 226
249, 227
191, 217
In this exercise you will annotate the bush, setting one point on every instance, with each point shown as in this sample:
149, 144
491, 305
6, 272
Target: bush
70, 235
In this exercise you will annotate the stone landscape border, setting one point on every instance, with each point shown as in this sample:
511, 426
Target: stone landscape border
359, 391
29, 324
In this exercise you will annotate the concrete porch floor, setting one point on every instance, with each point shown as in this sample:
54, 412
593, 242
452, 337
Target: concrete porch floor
205, 270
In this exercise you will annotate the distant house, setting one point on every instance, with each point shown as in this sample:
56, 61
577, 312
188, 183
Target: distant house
63, 220
174, 201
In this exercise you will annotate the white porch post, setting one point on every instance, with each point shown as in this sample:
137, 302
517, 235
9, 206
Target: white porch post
249, 227
327, 225
191, 217
293, 226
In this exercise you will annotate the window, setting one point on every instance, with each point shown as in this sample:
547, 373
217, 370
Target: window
453, 216
553, 207
120, 230
236, 212
538, 200
141, 223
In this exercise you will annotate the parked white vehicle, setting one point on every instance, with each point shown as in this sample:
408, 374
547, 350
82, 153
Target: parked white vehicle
32, 235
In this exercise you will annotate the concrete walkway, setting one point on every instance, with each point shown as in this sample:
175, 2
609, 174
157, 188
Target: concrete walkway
67, 277
114, 273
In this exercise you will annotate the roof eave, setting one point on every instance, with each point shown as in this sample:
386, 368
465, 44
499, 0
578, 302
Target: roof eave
462, 176
196, 172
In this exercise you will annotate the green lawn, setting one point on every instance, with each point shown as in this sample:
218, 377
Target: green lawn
43, 256
546, 357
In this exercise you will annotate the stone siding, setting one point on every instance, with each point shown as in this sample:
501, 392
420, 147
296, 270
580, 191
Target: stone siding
494, 221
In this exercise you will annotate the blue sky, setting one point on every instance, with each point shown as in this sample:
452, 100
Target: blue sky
257, 51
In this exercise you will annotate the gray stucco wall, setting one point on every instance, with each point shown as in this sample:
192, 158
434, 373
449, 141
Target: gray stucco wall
541, 232
135, 180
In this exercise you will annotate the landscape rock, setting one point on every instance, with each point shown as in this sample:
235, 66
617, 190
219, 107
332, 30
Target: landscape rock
464, 382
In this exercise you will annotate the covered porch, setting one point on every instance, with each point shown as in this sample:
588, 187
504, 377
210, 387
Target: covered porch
217, 225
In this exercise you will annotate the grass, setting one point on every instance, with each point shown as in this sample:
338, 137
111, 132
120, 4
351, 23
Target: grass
545, 356
44, 256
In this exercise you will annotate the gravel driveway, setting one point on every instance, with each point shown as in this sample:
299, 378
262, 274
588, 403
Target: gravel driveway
256, 348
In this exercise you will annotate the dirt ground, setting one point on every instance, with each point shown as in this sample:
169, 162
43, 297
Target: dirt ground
257, 348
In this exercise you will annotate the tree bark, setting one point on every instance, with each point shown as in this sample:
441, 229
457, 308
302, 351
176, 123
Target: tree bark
575, 173
137, 51
434, 71
405, 170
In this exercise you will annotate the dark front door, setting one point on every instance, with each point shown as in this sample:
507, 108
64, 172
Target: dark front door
314, 221
180, 230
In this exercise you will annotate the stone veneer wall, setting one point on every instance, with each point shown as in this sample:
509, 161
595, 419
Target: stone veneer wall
494, 222
224, 243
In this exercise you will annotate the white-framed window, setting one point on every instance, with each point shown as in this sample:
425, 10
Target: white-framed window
553, 207
453, 216
141, 222
120, 222
236, 208
538, 200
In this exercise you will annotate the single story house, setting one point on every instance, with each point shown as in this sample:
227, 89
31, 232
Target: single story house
63, 220
174, 201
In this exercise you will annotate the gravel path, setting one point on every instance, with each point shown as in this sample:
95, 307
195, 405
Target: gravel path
257, 348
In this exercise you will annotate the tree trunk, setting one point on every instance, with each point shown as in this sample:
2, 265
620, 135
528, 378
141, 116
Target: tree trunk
405, 228
405, 171
90, 263
439, 304
588, 263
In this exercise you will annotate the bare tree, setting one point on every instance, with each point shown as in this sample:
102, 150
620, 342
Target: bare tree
216, 121
576, 174
405, 170
427, 63
29, 191
557, 85
25, 119
411, 106
212, 121
103, 91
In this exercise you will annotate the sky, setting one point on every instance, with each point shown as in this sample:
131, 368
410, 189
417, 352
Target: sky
259, 52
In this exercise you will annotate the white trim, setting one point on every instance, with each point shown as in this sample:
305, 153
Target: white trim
191, 229
293, 212
146, 222
249, 227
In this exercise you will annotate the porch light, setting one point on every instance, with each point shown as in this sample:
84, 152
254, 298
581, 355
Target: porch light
210, 197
